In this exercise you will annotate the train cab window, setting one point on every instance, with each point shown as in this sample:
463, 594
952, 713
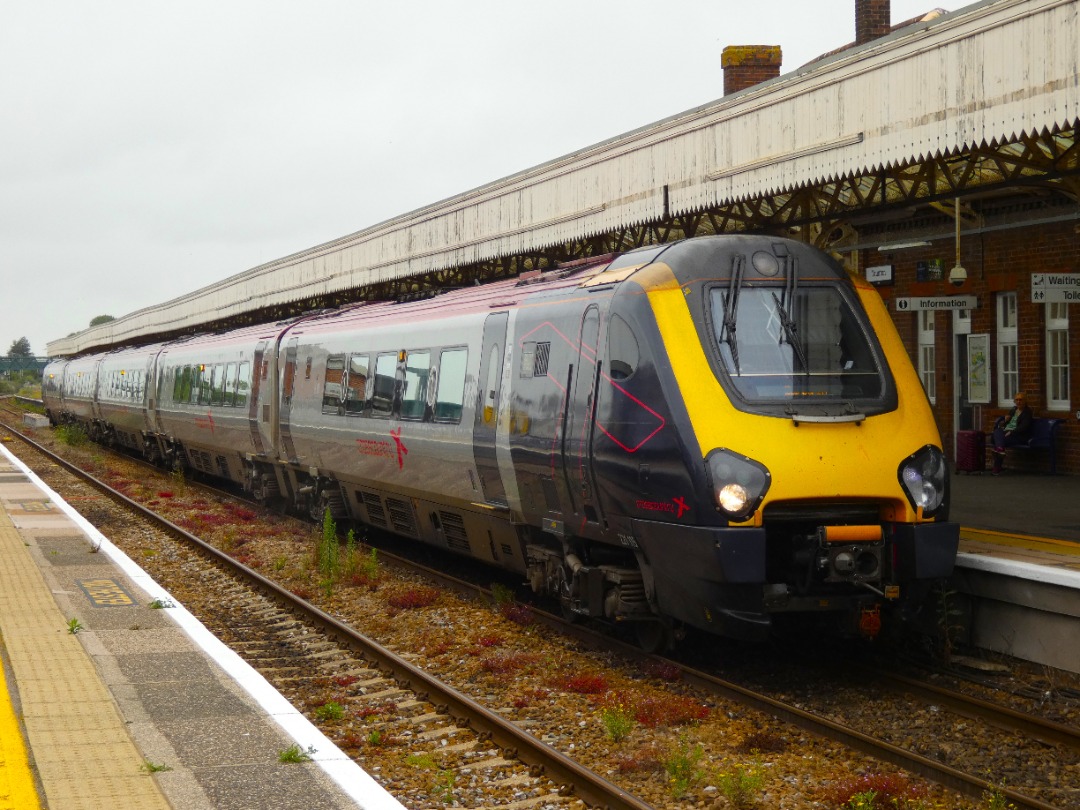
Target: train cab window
811, 348
623, 352
356, 386
243, 384
382, 392
414, 390
333, 384
450, 397
229, 385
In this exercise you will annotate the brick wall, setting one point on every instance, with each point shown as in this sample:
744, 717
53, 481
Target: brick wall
996, 262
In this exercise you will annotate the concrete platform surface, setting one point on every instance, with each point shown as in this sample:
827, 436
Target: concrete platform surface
142, 707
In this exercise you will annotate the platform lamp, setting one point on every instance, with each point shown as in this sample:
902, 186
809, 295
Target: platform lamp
958, 275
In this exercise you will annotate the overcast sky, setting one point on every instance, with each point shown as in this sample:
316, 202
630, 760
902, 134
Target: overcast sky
151, 148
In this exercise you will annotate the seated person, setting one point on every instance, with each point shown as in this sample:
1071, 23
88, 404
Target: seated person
1015, 430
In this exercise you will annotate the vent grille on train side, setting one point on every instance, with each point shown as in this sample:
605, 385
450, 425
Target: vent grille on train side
401, 515
374, 507
453, 526
540, 364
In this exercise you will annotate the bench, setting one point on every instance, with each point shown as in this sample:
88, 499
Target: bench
1043, 437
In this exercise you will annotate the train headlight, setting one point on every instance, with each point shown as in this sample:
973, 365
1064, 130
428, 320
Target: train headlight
924, 476
738, 483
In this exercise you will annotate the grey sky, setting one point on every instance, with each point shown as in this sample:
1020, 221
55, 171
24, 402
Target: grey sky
150, 148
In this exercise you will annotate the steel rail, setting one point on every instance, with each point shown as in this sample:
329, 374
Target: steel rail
960, 781
979, 709
588, 786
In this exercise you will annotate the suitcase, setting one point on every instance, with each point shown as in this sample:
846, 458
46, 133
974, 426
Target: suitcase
970, 451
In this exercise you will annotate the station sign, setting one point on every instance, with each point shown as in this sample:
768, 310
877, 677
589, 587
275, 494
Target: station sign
945, 302
1055, 288
880, 274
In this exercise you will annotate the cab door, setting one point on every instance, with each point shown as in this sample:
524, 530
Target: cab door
576, 444
489, 401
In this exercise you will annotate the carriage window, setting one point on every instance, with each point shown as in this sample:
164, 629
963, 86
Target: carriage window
414, 393
451, 385
217, 385
199, 384
229, 387
182, 392
334, 383
382, 394
243, 383
356, 384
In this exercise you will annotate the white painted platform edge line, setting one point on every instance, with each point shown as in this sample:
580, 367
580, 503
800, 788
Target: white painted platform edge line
1037, 573
357, 783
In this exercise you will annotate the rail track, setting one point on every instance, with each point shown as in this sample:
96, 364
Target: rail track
380, 676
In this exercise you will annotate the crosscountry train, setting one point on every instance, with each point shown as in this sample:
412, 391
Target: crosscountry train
714, 432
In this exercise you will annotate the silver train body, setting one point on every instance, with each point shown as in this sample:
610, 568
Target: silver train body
579, 427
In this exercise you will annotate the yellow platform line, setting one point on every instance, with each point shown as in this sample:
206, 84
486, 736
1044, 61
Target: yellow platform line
17, 791
1025, 540
82, 752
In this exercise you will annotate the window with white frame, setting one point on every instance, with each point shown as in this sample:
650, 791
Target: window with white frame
1057, 356
927, 353
1008, 375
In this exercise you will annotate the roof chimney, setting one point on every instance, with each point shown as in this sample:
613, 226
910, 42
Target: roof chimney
872, 20
747, 65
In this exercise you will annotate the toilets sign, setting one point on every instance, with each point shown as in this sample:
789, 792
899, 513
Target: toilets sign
1055, 288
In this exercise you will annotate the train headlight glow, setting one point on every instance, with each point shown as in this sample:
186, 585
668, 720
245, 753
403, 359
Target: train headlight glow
738, 483
924, 475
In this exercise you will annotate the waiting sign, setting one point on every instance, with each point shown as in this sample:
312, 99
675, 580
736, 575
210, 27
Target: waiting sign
1055, 288
950, 302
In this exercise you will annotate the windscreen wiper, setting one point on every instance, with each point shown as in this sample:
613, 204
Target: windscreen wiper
791, 329
731, 310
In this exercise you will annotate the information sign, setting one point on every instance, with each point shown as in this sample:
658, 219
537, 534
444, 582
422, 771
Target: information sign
1055, 288
948, 302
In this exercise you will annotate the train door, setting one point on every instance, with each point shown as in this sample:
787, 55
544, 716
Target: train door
487, 409
288, 385
150, 393
577, 434
259, 362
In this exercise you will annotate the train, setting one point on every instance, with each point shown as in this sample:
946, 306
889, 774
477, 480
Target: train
723, 433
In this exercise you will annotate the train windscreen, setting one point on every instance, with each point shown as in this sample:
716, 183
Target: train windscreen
807, 346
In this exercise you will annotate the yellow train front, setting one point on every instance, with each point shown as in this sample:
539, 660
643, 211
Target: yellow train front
760, 445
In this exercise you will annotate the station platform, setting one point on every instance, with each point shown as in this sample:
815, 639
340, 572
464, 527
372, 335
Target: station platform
142, 707
1018, 569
